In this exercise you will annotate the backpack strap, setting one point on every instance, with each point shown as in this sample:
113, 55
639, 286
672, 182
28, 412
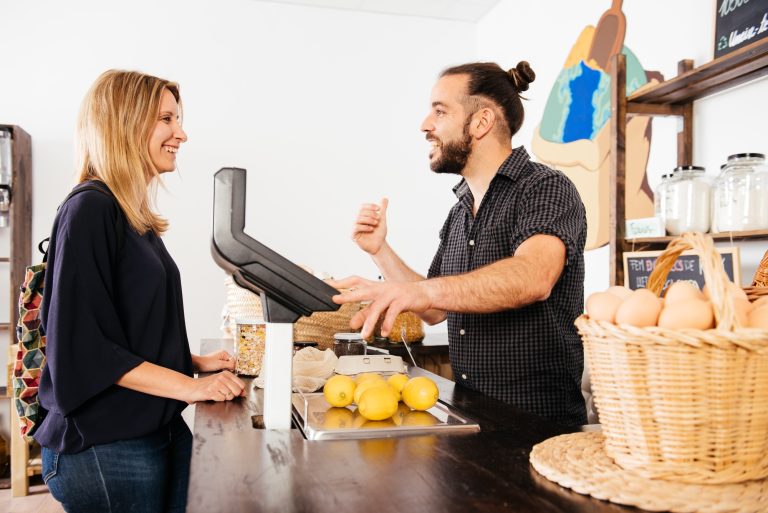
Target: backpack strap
119, 222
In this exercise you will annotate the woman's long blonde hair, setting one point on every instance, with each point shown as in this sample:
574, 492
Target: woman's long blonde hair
116, 120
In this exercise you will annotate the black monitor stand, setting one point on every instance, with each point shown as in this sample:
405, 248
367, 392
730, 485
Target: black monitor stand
287, 291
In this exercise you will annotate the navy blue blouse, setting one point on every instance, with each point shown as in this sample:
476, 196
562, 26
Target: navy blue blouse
106, 310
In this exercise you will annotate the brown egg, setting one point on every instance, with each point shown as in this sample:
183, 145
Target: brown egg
602, 306
682, 290
641, 309
758, 318
742, 308
736, 291
760, 302
687, 313
618, 290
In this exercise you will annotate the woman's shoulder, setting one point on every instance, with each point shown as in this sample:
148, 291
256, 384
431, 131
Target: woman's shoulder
88, 199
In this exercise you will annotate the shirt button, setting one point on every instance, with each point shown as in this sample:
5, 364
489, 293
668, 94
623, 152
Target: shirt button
472, 243
463, 376
462, 332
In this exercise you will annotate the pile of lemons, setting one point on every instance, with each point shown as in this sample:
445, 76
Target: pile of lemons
378, 398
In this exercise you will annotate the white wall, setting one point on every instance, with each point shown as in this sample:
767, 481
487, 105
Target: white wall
660, 33
321, 106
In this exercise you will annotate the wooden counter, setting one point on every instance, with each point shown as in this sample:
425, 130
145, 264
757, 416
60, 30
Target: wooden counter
238, 468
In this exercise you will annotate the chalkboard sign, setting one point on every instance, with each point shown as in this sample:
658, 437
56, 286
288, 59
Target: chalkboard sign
739, 23
639, 264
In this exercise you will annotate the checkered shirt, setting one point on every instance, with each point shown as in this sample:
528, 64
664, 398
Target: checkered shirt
530, 357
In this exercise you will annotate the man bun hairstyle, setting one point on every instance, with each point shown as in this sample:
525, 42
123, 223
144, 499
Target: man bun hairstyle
522, 75
488, 82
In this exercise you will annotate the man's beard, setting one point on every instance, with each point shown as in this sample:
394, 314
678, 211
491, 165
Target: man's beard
454, 155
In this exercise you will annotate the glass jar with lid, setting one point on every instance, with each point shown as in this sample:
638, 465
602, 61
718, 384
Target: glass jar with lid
741, 194
5, 177
661, 198
689, 196
348, 344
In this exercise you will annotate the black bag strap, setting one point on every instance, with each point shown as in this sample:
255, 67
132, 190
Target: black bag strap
119, 222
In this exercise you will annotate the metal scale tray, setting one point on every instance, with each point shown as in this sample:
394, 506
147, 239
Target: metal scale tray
310, 410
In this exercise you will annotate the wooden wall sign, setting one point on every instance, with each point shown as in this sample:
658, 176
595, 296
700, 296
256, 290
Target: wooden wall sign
639, 264
738, 23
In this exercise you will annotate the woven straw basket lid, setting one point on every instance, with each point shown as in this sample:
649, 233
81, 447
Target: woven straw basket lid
578, 461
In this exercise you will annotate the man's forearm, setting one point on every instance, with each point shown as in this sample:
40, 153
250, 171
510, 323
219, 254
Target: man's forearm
510, 283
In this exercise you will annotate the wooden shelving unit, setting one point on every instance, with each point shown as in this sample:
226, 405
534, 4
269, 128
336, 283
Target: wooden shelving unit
673, 97
20, 257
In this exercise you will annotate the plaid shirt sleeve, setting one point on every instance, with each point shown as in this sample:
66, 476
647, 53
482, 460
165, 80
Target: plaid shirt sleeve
552, 206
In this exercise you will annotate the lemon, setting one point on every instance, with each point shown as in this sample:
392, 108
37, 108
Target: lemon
359, 420
419, 418
402, 411
339, 390
366, 376
377, 403
378, 424
397, 381
338, 418
420, 393
365, 385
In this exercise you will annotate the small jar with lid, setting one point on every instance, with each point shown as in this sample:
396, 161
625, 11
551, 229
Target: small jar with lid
741, 194
689, 198
348, 344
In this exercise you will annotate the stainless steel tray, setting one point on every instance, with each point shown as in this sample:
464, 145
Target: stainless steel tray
318, 421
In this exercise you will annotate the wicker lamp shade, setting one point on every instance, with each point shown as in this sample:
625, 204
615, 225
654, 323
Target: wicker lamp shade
683, 405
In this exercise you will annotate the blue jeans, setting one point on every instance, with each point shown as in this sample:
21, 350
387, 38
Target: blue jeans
149, 474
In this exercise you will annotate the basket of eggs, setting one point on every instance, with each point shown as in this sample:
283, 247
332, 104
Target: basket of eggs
681, 382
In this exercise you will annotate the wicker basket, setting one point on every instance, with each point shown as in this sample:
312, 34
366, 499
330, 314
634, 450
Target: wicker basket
683, 405
319, 327
761, 274
759, 287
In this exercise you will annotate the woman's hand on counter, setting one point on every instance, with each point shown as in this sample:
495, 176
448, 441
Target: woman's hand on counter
220, 360
223, 386
155, 380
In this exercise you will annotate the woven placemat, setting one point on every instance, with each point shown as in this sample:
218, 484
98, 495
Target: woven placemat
579, 462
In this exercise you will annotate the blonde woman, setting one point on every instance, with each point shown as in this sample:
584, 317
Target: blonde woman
119, 370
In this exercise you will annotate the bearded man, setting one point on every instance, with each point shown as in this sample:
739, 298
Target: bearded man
509, 270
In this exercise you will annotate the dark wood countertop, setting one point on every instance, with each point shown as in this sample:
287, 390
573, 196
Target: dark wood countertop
236, 467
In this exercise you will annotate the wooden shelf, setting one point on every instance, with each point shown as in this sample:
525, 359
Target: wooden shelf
735, 68
672, 97
721, 236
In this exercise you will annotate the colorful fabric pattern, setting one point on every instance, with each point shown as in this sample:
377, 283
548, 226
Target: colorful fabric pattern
30, 354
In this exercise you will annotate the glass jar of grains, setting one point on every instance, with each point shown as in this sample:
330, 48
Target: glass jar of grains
250, 343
